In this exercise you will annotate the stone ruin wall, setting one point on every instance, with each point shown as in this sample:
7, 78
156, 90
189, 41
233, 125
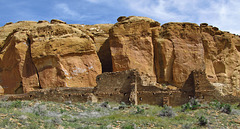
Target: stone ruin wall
60, 94
115, 86
131, 87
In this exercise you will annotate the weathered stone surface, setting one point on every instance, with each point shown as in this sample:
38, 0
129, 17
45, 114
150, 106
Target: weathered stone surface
47, 55
56, 21
163, 57
181, 47
1, 90
42, 21
175, 50
131, 45
8, 28
16, 64
222, 60
67, 58
100, 33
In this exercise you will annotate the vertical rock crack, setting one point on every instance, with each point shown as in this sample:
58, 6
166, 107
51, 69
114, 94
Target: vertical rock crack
29, 42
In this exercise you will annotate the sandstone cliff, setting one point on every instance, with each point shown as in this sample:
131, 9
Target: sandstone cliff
44, 55
36, 55
172, 51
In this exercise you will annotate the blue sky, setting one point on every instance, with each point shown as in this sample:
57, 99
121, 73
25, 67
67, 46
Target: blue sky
224, 14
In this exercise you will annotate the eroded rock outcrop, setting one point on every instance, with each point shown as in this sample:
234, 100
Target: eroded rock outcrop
179, 51
131, 45
100, 34
175, 50
222, 59
47, 55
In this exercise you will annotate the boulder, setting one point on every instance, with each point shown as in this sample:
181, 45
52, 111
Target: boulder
42, 21
121, 18
56, 21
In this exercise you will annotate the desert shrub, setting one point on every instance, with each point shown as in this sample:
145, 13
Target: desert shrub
40, 110
193, 104
226, 108
105, 105
122, 106
167, 111
62, 110
68, 102
216, 104
128, 126
139, 110
25, 103
16, 104
57, 120
4, 104
185, 107
202, 121
81, 106
186, 126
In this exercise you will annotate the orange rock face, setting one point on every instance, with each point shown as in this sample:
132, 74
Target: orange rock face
100, 34
180, 52
172, 51
47, 55
222, 55
185, 47
131, 45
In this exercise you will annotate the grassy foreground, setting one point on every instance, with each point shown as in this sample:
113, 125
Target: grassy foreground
38, 114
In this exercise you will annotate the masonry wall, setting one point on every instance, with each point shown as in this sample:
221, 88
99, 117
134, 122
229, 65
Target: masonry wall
115, 86
56, 95
132, 88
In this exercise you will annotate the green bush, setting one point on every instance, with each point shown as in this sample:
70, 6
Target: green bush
167, 111
227, 108
105, 105
40, 110
216, 104
202, 121
127, 126
193, 104
139, 110
62, 110
16, 104
186, 126
122, 106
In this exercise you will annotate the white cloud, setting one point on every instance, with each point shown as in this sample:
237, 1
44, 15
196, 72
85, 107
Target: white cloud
64, 9
221, 13
163, 10
93, 1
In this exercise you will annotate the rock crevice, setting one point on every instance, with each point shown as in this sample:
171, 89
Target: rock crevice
29, 51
